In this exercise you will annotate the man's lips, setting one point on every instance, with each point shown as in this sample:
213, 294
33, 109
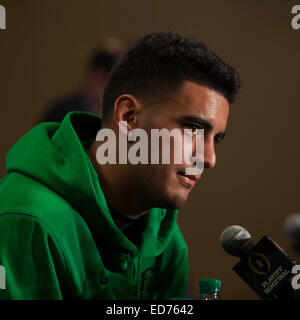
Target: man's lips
189, 179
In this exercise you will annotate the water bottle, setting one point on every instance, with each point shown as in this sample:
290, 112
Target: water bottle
210, 289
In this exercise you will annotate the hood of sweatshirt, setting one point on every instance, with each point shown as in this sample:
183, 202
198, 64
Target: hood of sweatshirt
54, 155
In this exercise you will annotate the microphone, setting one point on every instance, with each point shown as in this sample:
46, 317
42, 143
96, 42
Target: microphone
236, 241
291, 227
265, 267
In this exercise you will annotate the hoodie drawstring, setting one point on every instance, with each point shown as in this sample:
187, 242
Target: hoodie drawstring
130, 271
138, 295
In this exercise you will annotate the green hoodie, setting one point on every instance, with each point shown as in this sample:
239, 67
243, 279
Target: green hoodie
57, 237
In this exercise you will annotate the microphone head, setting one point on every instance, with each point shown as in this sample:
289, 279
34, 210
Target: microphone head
236, 240
292, 225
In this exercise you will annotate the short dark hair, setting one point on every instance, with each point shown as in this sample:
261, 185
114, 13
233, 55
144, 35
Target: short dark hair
158, 64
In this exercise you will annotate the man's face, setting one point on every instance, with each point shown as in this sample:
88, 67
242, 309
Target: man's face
193, 107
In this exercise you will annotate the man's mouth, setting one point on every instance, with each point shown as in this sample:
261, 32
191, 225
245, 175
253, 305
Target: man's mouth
189, 179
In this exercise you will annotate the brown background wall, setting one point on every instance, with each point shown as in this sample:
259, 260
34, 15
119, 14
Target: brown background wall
256, 181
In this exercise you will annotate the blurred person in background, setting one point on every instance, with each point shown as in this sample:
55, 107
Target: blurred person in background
88, 97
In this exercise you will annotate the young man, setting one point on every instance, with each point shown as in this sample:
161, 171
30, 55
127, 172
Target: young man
72, 228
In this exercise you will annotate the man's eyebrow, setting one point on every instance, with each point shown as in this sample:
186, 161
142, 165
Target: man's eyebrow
198, 120
204, 123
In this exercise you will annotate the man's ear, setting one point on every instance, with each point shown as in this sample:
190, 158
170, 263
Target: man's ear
128, 109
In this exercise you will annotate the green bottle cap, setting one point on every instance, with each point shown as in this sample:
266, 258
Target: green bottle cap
210, 285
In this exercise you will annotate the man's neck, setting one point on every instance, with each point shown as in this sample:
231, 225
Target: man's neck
119, 194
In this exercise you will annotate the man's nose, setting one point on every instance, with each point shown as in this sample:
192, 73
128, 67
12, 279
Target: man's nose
209, 154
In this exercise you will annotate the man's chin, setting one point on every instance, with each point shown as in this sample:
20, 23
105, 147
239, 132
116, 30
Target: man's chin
173, 203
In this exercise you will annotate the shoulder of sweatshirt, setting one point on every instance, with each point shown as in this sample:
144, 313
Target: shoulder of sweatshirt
23, 195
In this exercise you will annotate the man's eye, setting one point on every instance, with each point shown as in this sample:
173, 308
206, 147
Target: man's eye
217, 140
193, 128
